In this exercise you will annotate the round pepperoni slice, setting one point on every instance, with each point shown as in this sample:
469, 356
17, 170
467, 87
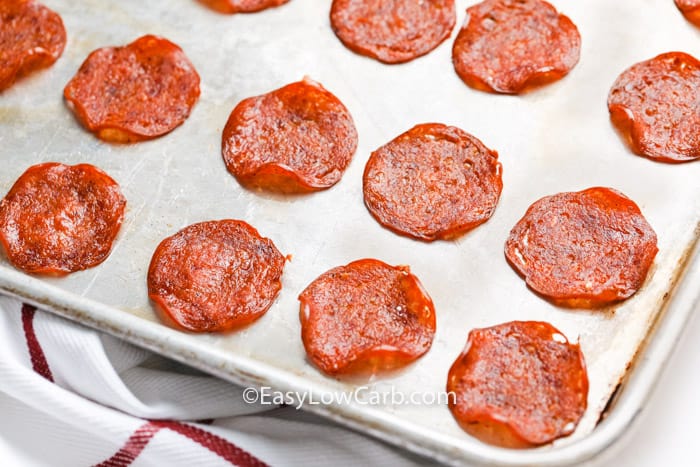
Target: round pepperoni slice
296, 139
587, 248
31, 37
136, 92
58, 219
518, 385
656, 107
392, 31
510, 46
366, 317
432, 182
690, 9
215, 276
241, 6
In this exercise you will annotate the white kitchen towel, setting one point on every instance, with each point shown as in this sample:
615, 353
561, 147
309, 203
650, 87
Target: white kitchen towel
71, 396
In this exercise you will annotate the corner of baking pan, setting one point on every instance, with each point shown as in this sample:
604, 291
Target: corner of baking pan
630, 398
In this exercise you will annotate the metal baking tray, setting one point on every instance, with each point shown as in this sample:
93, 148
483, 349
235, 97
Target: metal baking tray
555, 139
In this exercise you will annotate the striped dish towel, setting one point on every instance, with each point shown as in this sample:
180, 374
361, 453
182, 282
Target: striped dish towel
72, 396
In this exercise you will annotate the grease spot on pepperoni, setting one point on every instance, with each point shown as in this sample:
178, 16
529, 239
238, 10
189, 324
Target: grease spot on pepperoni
518, 385
392, 31
136, 92
215, 276
241, 6
511, 46
432, 182
690, 9
583, 249
655, 105
366, 317
57, 219
296, 139
31, 37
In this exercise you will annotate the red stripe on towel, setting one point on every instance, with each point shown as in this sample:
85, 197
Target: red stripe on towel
36, 353
214, 443
133, 446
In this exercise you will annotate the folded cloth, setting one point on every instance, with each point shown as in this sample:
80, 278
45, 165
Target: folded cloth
72, 396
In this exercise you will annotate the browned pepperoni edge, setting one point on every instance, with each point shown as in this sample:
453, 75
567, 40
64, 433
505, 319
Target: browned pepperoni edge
518, 385
392, 31
583, 249
432, 182
136, 92
31, 37
57, 219
512, 46
655, 106
296, 139
241, 6
690, 9
365, 317
214, 276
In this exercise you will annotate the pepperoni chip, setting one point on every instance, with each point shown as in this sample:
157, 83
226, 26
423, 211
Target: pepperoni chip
655, 105
58, 219
392, 31
510, 46
215, 276
31, 37
432, 182
241, 6
296, 139
518, 385
136, 92
366, 317
587, 248
690, 9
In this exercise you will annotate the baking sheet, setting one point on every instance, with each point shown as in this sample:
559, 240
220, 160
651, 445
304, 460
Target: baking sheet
556, 139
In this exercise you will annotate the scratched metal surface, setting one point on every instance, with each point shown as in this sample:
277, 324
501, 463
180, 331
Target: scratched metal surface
555, 139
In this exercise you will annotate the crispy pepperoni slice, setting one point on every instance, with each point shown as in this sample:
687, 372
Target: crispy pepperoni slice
655, 105
510, 46
295, 139
392, 31
58, 219
366, 317
31, 37
241, 6
136, 92
587, 248
690, 9
215, 276
432, 182
518, 384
